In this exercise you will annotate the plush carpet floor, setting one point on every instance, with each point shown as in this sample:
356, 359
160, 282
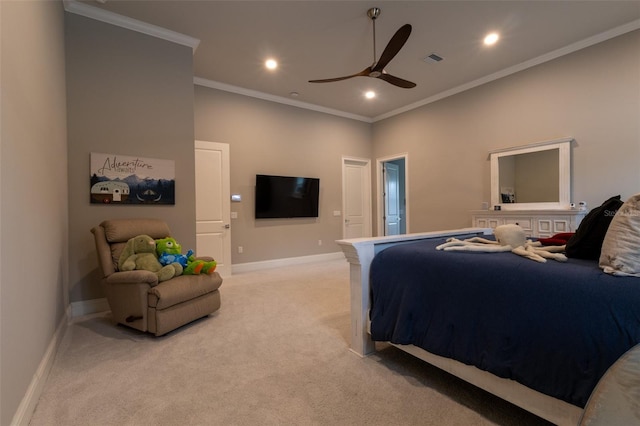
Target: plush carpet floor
276, 353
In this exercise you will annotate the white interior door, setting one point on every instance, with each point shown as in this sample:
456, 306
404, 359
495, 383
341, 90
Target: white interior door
213, 204
391, 199
398, 193
356, 198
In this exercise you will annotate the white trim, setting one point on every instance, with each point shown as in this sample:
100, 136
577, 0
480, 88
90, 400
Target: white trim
574, 47
83, 9
213, 232
555, 410
28, 404
366, 190
528, 147
563, 146
289, 261
86, 307
380, 185
199, 81
74, 6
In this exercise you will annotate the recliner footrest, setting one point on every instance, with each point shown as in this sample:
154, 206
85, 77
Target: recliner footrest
181, 289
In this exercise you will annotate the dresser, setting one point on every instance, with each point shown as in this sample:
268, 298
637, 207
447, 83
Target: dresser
536, 223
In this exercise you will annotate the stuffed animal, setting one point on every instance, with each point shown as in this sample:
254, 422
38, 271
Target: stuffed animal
169, 251
140, 253
511, 238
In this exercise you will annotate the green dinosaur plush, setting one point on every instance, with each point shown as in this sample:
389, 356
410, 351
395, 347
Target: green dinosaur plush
199, 266
140, 253
169, 251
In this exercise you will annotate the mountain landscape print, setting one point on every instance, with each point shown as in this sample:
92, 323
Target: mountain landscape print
119, 179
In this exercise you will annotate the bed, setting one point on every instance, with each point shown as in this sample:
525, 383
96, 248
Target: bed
544, 341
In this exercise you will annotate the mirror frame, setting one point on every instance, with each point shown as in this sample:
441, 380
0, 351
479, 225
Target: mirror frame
564, 175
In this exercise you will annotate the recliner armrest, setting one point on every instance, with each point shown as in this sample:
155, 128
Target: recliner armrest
132, 277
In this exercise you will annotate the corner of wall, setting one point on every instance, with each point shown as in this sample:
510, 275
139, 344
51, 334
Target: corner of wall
30, 400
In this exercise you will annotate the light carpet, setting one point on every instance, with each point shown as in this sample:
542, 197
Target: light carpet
276, 353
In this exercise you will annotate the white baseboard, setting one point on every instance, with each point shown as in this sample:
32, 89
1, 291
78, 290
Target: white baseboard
93, 306
289, 261
30, 400
87, 307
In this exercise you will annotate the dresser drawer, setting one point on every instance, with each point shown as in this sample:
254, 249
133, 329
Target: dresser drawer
488, 222
525, 223
548, 227
536, 223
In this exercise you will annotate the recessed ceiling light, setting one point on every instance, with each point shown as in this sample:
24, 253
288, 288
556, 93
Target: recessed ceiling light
370, 94
491, 39
271, 64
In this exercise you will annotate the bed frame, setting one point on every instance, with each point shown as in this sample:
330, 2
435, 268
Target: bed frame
360, 252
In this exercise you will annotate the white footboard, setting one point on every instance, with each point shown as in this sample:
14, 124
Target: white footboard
360, 252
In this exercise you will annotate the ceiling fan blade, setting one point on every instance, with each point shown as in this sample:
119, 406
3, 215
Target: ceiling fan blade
397, 81
393, 47
364, 72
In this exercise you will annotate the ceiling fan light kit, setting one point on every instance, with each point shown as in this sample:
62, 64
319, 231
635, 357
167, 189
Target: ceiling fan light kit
376, 70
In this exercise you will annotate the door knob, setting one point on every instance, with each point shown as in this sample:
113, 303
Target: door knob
227, 226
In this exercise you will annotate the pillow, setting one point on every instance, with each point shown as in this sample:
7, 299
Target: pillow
587, 241
621, 246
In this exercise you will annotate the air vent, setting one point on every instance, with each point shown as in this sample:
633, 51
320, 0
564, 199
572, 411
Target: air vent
433, 58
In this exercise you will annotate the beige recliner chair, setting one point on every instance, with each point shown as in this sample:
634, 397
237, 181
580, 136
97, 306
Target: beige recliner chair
136, 298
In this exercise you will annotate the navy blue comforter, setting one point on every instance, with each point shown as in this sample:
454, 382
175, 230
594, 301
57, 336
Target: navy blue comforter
554, 327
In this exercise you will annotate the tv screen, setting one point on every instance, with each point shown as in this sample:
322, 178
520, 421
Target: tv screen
286, 197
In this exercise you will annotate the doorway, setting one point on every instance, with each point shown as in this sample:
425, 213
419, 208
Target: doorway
392, 195
356, 197
213, 209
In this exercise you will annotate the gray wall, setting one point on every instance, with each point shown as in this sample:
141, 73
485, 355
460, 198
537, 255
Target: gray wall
128, 94
33, 188
592, 95
272, 138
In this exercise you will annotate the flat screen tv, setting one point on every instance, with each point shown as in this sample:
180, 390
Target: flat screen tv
286, 197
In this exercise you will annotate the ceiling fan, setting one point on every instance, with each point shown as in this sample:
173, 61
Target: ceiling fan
376, 70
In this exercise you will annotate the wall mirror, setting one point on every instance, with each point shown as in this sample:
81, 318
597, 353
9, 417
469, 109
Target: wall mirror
532, 177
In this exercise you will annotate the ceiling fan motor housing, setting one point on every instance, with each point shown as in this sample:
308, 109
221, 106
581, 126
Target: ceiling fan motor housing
373, 13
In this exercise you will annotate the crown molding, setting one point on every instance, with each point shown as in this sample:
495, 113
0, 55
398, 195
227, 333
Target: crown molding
199, 81
78, 8
574, 47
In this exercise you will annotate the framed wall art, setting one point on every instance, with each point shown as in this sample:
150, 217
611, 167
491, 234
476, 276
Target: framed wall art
121, 179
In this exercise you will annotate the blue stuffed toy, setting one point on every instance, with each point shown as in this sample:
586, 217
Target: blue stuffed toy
168, 251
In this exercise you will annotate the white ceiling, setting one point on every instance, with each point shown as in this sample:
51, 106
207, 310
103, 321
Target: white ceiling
325, 39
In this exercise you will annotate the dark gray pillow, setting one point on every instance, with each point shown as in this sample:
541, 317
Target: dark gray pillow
586, 243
